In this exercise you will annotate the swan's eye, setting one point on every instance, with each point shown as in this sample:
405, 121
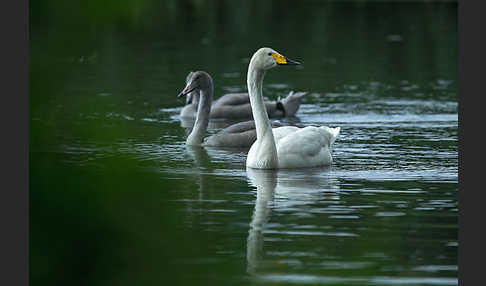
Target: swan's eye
269, 54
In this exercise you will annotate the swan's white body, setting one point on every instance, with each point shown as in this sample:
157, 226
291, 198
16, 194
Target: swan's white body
296, 148
288, 146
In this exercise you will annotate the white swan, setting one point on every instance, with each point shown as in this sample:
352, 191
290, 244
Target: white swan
237, 105
288, 146
242, 134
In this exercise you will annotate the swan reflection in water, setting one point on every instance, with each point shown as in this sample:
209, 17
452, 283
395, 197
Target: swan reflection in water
283, 189
204, 164
202, 161
293, 191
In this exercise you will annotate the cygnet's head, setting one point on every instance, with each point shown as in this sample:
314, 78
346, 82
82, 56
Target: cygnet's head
196, 81
189, 76
192, 97
267, 58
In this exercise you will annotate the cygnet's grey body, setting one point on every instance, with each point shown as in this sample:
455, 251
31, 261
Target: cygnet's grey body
237, 105
242, 134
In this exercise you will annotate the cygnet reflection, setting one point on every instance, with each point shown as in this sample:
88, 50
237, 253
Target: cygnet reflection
202, 161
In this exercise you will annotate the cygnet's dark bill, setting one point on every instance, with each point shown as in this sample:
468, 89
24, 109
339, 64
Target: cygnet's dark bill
185, 91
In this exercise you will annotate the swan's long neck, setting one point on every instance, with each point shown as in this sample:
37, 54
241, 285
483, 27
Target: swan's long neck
266, 150
202, 118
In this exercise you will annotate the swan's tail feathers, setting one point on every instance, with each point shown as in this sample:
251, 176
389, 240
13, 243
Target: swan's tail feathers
334, 133
296, 95
291, 103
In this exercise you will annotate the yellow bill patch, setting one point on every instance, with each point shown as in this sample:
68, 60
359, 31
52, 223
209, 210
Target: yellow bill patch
279, 59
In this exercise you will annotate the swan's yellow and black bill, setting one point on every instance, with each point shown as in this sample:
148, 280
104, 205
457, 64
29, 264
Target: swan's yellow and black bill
281, 60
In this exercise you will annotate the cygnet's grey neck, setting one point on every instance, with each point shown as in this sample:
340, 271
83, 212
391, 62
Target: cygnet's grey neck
202, 118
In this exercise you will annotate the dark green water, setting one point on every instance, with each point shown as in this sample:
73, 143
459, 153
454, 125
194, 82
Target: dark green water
116, 198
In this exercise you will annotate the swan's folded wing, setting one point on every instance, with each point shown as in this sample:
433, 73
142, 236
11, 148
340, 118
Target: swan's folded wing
281, 132
241, 134
246, 126
306, 147
240, 127
296, 95
241, 139
292, 102
233, 99
306, 142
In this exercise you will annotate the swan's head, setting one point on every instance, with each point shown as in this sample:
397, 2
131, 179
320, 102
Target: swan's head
267, 58
195, 82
